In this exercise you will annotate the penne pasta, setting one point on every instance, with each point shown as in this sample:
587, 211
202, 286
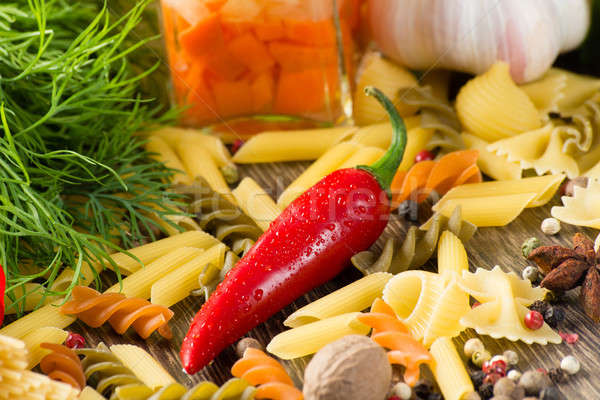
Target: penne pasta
33, 294
89, 393
310, 338
452, 256
543, 186
166, 155
183, 221
278, 146
380, 135
354, 297
256, 203
488, 211
449, 371
493, 165
326, 164
199, 163
177, 284
143, 365
139, 283
363, 156
46, 316
493, 107
38, 336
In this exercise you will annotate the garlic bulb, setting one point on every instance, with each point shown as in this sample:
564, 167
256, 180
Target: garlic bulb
470, 35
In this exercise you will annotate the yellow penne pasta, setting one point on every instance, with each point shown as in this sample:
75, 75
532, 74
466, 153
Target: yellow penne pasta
492, 106
489, 211
199, 163
165, 154
326, 164
183, 221
89, 393
543, 186
363, 156
389, 78
256, 203
33, 294
38, 336
308, 144
452, 256
177, 285
380, 135
139, 283
491, 164
48, 315
143, 365
215, 147
449, 371
354, 297
310, 338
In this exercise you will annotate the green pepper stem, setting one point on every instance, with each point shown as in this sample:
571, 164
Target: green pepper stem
385, 168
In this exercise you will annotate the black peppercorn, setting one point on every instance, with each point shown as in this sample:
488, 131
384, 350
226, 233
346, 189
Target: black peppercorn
435, 396
557, 375
477, 378
540, 306
409, 209
486, 391
423, 388
550, 393
554, 315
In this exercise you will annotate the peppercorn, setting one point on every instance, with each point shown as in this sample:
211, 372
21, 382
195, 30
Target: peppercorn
486, 391
557, 375
534, 320
553, 296
518, 393
513, 375
402, 391
435, 396
504, 387
554, 315
529, 245
501, 397
540, 306
479, 357
492, 378
409, 209
570, 365
246, 343
511, 357
534, 381
477, 378
550, 226
423, 388
472, 396
550, 393
74, 341
471, 346
530, 273
424, 155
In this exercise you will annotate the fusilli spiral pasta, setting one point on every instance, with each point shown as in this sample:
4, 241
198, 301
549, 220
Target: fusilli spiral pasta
267, 374
418, 246
106, 372
212, 276
95, 309
233, 389
216, 215
390, 333
16, 382
63, 365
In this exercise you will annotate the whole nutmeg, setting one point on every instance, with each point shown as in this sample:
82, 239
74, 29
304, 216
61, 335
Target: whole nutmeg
245, 343
534, 381
351, 368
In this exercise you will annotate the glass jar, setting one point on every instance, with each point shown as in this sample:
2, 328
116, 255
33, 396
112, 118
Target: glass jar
237, 58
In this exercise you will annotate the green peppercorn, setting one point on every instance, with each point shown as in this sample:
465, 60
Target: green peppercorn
479, 357
529, 245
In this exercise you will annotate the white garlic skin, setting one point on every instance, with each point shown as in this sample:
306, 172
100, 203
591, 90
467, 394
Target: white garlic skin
470, 36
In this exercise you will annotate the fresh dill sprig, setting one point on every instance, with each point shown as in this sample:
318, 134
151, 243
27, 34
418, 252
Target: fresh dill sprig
75, 184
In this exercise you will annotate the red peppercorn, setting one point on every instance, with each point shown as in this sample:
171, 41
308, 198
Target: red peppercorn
394, 398
424, 155
75, 341
534, 320
236, 146
476, 304
492, 378
499, 364
486, 367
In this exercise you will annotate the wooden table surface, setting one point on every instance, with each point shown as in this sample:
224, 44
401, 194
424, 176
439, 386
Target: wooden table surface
489, 247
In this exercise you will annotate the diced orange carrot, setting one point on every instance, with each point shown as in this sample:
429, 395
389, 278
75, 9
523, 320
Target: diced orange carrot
269, 30
350, 12
224, 65
294, 57
263, 89
307, 91
312, 33
214, 5
233, 97
246, 10
202, 103
204, 37
251, 52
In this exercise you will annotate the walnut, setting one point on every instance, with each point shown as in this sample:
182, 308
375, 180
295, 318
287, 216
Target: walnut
351, 368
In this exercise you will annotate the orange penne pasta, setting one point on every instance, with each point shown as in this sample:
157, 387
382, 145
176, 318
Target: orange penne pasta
390, 333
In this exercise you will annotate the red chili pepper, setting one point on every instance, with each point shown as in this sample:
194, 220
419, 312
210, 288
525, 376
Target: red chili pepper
2, 290
307, 245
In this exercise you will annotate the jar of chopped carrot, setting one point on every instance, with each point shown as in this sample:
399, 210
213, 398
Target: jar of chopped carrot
235, 58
